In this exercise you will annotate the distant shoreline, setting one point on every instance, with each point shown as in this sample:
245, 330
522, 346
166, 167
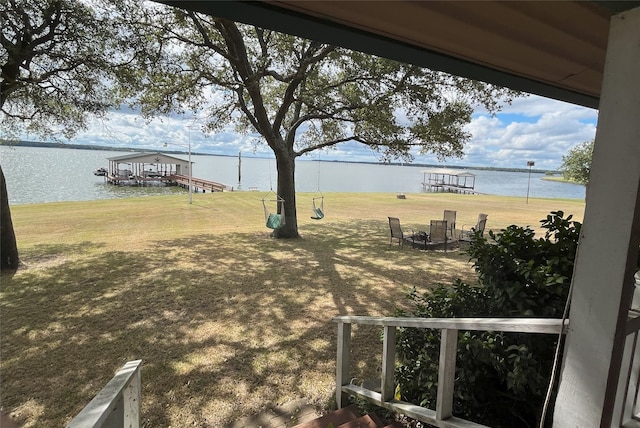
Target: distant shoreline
129, 149
561, 180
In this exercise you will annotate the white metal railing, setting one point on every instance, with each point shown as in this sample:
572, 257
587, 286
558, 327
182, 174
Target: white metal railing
449, 327
117, 405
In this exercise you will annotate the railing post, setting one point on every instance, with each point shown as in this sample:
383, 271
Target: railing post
342, 366
446, 373
634, 374
629, 408
117, 404
388, 363
132, 397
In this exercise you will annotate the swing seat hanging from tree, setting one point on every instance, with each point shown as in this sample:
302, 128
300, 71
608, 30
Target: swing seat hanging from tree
273, 220
318, 211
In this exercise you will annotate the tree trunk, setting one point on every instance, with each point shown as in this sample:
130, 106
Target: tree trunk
287, 190
8, 247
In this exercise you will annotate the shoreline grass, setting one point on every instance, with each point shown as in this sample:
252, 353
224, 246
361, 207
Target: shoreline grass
227, 321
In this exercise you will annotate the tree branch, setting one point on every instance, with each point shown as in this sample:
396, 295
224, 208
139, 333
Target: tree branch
207, 42
309, 58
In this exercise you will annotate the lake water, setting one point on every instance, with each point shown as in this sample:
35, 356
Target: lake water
38, 174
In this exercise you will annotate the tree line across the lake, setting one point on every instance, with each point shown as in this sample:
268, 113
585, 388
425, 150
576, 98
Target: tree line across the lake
47, 144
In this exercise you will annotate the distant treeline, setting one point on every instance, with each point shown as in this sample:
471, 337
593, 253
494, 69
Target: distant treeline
121, 149
61, 145
482, 168
90, 147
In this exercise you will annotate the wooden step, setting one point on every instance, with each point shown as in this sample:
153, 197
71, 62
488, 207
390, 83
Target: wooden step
366, 421
337, 418
347, 417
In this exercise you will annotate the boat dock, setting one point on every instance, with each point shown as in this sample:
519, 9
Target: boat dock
448, 180
155, 169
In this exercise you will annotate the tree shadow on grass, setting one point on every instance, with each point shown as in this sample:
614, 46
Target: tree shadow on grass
225, 325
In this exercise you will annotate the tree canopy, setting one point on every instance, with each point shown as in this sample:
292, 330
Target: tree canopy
59, 64
576, 164
59, 61
301, 95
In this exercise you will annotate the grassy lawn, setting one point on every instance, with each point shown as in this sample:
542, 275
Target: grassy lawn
227, 321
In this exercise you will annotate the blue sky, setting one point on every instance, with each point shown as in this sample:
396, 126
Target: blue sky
532, 128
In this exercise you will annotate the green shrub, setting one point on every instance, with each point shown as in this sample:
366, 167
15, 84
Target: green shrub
501, 378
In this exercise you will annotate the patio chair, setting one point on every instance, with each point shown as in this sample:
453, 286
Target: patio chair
438, 234
450, 218
467, 231
396, 231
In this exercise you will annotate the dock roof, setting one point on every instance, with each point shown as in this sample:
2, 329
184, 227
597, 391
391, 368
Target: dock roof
149, 157
453, 172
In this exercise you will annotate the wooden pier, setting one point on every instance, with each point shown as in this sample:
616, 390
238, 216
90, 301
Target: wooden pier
199, 184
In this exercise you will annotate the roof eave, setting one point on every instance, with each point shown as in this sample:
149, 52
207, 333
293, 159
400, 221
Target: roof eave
299, 24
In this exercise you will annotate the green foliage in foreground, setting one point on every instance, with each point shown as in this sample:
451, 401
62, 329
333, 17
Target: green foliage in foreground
501, 378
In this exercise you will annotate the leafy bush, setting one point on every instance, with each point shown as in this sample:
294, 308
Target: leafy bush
501, 378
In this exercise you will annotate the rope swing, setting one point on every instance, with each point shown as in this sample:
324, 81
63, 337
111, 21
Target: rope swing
318, 199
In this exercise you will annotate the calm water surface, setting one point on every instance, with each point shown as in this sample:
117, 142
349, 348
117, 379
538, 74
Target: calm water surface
37, 175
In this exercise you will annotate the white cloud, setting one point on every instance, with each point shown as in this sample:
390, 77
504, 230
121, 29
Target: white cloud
534, 106
531, 128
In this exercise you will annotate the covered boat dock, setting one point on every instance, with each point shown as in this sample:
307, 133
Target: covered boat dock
448, 180
145, 168
156, 169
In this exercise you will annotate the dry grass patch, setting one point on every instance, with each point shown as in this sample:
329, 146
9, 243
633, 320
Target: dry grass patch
226, 320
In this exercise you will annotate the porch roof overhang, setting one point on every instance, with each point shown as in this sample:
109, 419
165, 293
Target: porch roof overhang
554, 49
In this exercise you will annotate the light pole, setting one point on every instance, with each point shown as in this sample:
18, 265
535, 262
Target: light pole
189, 166
239, 170
529, 164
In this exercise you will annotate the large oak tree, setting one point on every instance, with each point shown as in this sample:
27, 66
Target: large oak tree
300, 95
59, 60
